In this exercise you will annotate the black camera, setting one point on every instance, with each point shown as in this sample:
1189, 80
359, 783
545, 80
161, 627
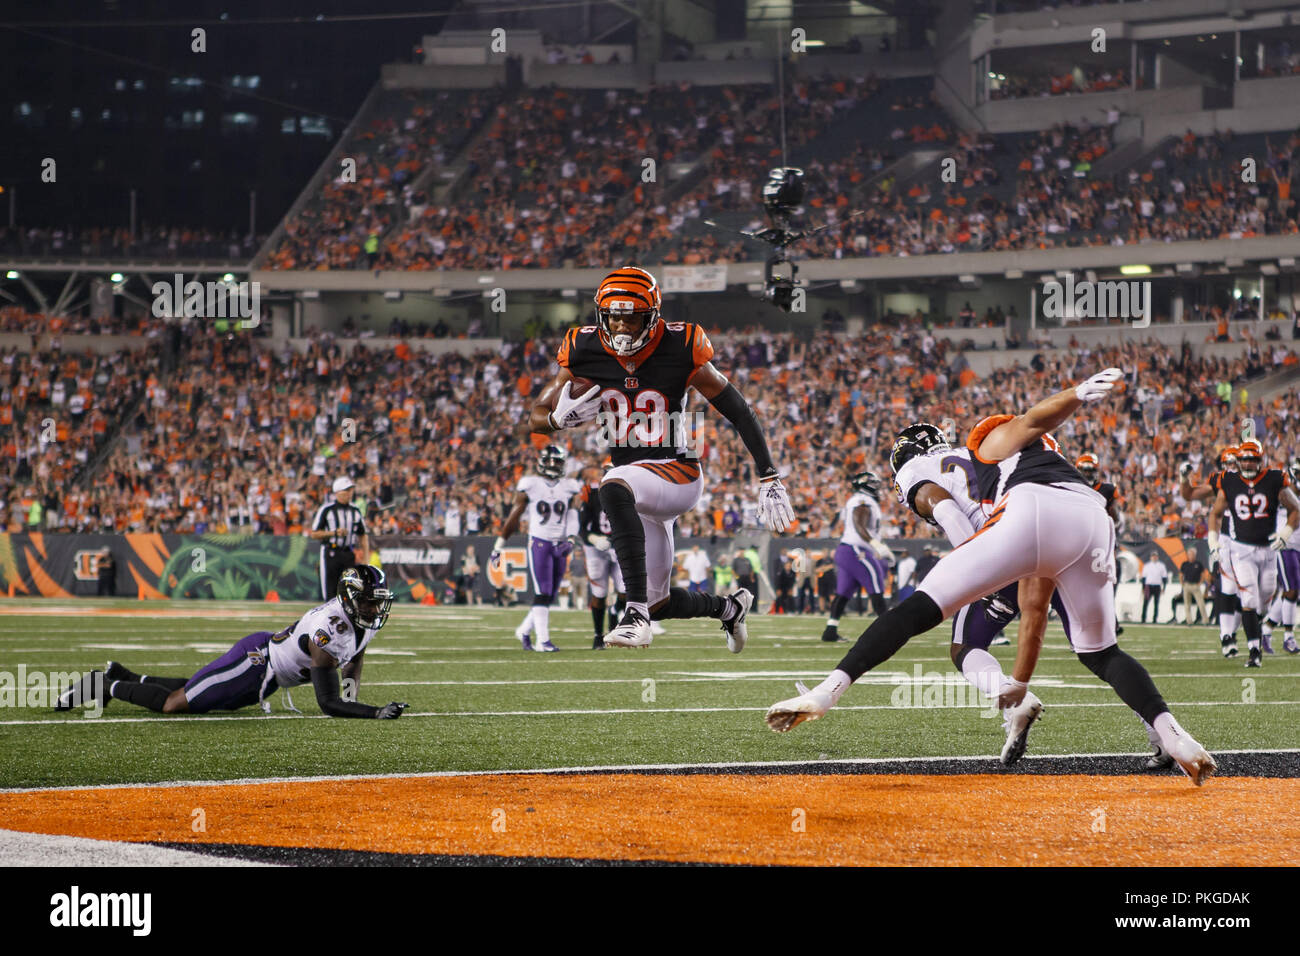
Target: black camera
783, 192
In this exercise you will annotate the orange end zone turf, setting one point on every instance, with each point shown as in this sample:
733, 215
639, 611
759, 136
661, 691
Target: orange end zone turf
975, 819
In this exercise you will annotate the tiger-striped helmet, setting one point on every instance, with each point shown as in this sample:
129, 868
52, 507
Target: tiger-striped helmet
1228, 458
1087, 465
1250, 458
628, 292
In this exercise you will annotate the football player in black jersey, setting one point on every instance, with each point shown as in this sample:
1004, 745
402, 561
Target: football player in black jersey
1252, 495
1046, 529
1227, 602
643, 367
1089, 466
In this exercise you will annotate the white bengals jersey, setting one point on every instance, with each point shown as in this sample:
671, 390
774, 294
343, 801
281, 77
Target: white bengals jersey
548, 505
953, 471
851, 535
328, 627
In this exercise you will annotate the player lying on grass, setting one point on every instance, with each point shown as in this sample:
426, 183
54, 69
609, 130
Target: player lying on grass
643, 368
1046, 529
327, 640
937, 482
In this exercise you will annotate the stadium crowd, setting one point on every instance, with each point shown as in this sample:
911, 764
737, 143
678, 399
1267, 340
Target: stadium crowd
157, 242
556, 181
250, 435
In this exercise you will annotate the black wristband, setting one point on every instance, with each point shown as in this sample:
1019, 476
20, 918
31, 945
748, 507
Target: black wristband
325, 681
737, 411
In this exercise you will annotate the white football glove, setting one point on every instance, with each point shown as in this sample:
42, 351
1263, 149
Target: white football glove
598, 541
571, 412
494, 560
1280, 538
1212, 540
1097, 387
774, 511
1184, 469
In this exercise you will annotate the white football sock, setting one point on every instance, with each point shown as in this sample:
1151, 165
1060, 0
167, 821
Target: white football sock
1151, 732
527, 626
832, 622
984, 672
1169, 730
1288, 615
639, 607
835, 685
1226, 628
542, 623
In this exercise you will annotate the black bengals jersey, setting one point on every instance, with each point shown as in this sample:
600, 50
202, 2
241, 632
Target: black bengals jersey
1225, 523
1106, 490
591, 517
1254, 504
1038, 463
643, 396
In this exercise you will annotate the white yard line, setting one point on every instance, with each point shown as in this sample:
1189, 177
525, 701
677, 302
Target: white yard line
595, 712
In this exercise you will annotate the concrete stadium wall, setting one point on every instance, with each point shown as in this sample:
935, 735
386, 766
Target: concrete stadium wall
1027, 115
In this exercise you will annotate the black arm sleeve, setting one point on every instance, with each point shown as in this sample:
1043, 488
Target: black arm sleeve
737, 411
325, 680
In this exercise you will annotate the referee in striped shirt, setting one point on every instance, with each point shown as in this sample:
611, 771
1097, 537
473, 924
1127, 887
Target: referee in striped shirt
339, 527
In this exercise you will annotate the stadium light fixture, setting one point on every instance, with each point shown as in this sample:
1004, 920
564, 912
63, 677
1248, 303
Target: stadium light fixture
1135, 270
1287, 262
228, 277
12, 274
1014, 274
393, 295
1268, 268
812, 43
311, 293
117, 277
1187, 269
1234, 263
568, 293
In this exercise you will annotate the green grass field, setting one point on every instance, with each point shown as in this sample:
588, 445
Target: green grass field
478, 702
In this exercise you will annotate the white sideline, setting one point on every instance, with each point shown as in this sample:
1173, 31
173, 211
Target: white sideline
607, 768
18, 848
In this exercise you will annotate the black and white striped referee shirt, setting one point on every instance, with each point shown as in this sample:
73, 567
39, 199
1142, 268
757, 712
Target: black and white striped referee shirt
344, 519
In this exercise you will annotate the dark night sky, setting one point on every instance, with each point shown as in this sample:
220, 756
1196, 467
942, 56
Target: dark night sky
183, 174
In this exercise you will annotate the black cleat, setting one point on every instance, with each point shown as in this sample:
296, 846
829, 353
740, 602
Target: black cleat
598, 643
92, 686
1256, 659
832, 636
1229, 645
115, 671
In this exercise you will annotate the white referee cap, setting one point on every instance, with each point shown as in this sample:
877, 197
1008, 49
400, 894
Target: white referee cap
342, 484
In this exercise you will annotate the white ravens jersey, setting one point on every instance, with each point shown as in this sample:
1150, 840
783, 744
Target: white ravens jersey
326, 626
548, 505
1283, 520
952, 470
851, 535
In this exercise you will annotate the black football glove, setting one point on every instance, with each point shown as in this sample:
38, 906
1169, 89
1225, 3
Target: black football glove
998, 611
390, 711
